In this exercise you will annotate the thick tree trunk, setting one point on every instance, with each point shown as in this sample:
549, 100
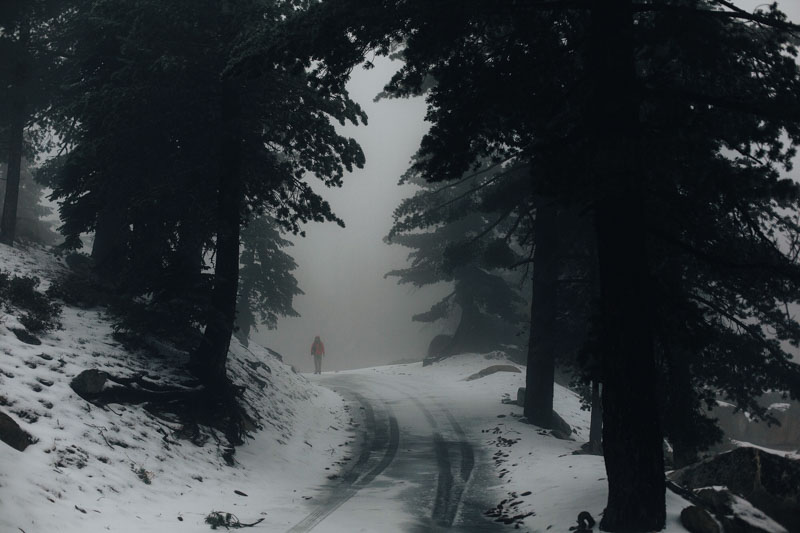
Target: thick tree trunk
208, 360
679, 415
8, 225
632, 438
541, 347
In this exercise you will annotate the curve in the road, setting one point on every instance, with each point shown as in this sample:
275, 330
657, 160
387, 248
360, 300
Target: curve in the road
387, 439
448, 490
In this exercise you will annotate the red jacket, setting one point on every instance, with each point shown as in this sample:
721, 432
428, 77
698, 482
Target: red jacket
317, 348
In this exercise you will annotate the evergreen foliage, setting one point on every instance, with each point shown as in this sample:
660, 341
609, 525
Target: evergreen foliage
170, 151
267, 286
457, 236
40, 312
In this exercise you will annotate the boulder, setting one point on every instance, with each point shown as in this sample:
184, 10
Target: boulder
719, 501
489, 370
12, 434
769, 482
697, 520
557, 433
561, 430
89, 383
736, 514
25, 336
521, 396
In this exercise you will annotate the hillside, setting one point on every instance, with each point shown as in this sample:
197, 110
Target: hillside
121, 468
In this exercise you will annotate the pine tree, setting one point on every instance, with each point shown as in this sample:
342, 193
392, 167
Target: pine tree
460, 235
266, 283
170, 149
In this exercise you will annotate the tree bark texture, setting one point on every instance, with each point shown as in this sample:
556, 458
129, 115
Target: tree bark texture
632, 437
8, 225
541, 346
209, 360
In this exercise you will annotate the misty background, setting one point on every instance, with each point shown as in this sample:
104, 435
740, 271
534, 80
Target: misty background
363, 318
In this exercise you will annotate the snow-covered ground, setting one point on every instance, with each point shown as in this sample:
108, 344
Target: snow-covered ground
530, 471
122, 469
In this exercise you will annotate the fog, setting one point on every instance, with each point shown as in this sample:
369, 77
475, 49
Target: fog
363, 319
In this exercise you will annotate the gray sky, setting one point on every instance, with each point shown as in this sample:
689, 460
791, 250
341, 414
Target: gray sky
364, 319
790, 7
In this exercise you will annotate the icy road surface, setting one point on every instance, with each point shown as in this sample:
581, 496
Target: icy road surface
414, 467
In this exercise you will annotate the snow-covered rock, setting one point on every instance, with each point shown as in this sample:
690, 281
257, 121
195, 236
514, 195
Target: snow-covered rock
767, 481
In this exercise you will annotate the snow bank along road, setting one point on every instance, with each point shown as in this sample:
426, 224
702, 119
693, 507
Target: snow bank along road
413, 468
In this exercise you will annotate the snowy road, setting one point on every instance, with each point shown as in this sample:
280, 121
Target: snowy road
414, 468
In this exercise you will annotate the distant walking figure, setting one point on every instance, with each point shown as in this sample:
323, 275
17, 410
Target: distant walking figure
317, 350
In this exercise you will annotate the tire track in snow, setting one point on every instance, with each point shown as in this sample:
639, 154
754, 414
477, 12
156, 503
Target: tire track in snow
448, 490
467, 453
386, 439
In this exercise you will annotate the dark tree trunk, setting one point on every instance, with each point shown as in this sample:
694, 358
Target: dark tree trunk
245, 318
541, 347
679, 415
632, 438
184, 274
188, 261
8, 225
596, 424
208, 360
9, 222
110, 247
469, 335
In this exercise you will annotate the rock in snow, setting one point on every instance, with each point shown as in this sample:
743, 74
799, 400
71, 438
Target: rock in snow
698, 520
489, 370
89, 382
12, 434
769, 482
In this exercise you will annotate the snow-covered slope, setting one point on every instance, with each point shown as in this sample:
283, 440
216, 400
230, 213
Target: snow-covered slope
121, 468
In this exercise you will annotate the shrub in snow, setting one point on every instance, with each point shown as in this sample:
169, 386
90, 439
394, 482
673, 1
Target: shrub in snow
40, 313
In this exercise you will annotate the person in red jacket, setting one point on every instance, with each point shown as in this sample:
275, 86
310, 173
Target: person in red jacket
317, 350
